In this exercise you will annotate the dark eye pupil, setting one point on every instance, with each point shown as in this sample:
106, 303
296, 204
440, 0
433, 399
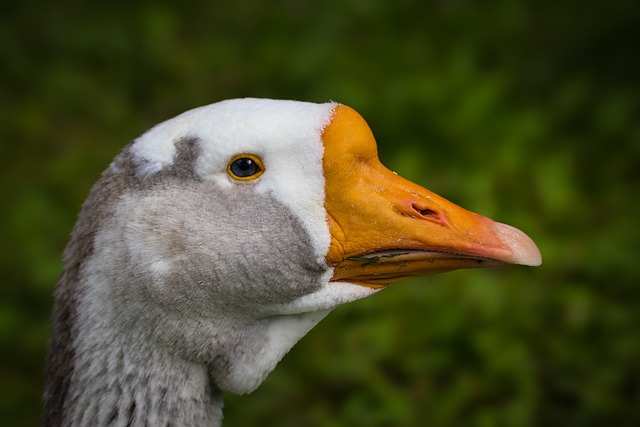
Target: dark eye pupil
244, 167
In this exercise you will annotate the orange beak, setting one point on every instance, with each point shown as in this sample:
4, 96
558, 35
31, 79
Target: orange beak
385, 228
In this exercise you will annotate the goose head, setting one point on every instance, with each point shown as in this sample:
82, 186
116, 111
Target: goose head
218, 238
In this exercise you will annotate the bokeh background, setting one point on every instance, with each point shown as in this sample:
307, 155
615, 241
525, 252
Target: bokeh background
524, 111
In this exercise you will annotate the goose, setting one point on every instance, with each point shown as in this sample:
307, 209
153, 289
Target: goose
217, 239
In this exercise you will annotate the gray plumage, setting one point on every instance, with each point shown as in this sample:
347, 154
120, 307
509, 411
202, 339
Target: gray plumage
148, 354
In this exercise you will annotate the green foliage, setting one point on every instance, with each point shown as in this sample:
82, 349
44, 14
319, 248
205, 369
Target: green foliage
526, 112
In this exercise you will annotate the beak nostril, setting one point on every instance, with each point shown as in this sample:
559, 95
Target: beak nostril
424, 211
433, 215
427, 212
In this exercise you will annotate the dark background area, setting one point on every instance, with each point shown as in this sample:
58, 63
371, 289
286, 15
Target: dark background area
527, 112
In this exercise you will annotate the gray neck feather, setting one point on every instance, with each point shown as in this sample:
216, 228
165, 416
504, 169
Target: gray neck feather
130, 383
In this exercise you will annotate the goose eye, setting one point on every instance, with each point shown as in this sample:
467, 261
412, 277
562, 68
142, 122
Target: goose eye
245, 167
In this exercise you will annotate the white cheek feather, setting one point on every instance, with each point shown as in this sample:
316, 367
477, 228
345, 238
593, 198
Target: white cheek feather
286, 135
326, 298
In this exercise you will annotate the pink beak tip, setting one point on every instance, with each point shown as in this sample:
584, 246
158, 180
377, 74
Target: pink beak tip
524, 250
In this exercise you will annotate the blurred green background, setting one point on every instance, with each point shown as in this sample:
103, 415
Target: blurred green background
527, 112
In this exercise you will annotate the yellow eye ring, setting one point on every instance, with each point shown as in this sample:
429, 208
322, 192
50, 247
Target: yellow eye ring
245, 167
